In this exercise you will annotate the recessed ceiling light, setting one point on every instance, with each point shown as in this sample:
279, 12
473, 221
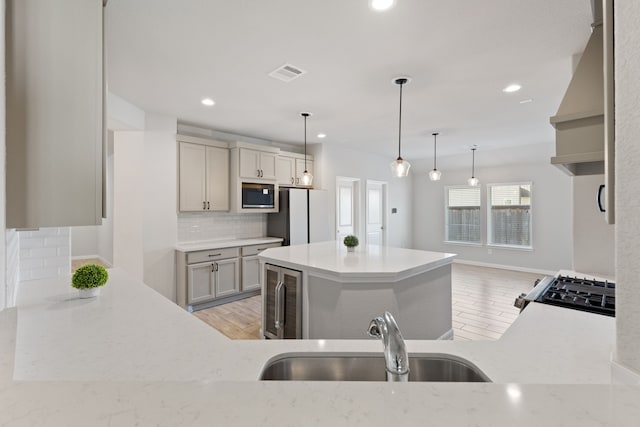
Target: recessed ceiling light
322, 135
208, 102
512, 88
381, 4
526, 101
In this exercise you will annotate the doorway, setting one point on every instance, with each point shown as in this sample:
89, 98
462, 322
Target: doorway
347, 206
376, 213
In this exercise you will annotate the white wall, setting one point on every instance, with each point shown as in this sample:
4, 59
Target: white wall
338, 161
627, 70
159, 203
128, 190
551, 210
593, 238
97, 240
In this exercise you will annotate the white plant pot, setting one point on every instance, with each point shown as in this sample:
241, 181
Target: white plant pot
89, 292
351, 248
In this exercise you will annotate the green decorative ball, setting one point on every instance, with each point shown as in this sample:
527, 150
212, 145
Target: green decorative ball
89, 276
351, 241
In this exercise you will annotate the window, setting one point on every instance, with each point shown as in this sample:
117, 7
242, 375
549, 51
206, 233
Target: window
462, 215
510, 215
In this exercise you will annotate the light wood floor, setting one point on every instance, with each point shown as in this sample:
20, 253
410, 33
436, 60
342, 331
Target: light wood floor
482, 305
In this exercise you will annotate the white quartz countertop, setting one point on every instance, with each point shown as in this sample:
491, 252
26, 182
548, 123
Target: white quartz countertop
131, 357
366, 261
203, 245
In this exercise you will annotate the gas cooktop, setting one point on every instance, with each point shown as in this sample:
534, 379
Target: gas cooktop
594, 296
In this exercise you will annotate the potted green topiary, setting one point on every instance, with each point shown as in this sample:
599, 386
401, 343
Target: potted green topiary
88, 279
351, 242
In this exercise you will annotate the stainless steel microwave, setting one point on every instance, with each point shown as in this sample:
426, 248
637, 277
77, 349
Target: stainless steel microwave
258, 196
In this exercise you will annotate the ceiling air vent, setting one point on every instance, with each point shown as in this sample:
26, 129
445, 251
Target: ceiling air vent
287, 72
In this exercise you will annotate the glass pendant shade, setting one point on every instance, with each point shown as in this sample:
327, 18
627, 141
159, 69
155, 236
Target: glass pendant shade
307, 178
435, 175
400, 167
473, 181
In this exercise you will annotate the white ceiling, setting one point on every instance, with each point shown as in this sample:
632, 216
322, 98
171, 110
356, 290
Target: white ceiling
166, 55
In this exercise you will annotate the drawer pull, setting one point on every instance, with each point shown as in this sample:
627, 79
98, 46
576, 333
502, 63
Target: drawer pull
212, 255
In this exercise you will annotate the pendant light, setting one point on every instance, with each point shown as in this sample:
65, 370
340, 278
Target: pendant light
473, 181
307, 178
400, 167
435, 174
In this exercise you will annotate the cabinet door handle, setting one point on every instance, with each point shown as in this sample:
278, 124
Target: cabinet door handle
212, 255
279, 314
258, 173
599, 198
297, 181
292, 180
204, 205
208, 205
214, 267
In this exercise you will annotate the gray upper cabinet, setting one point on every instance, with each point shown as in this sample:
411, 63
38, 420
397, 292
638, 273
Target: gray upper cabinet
55, 123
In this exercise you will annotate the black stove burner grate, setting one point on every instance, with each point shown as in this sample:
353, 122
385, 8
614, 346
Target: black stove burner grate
593, 296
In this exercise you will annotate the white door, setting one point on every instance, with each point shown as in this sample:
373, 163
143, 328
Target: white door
346, 207
376, 207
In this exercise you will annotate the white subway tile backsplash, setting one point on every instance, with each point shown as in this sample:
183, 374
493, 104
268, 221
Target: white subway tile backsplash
214, 226
43, 253
13, 265
59, 261
55, 242
28, 243
27, 263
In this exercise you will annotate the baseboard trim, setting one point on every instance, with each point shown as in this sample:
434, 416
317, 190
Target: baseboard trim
504, 267
225, 300
622, 375
102, 260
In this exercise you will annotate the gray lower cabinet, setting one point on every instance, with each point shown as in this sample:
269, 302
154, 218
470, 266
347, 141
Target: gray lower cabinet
209, 280
227, 277
250, 273
223, 274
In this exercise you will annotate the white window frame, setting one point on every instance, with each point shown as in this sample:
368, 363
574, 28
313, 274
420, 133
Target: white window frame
490, 223
446, 218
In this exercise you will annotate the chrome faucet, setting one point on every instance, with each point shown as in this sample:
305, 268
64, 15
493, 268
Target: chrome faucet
395, 352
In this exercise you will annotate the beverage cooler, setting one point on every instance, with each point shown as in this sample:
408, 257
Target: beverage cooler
282, 303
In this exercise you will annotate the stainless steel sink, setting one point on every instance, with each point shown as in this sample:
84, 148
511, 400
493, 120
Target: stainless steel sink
368, 367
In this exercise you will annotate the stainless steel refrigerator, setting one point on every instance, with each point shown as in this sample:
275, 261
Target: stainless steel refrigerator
303, 217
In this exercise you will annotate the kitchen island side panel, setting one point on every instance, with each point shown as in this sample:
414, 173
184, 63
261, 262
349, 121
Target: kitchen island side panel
421, 305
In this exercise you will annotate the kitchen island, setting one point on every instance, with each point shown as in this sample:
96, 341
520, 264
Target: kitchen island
342, 291
112, 361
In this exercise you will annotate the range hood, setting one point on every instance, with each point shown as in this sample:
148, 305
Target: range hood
579, 122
